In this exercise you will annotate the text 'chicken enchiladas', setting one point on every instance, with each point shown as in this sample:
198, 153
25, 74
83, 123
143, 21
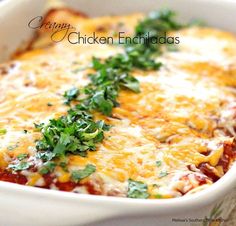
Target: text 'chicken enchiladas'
139, 119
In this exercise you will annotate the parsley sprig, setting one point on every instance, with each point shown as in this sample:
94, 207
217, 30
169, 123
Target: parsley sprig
114, 73
71, 95
20, 165
156, 24
137, 189
110, 77
74, 133
78, 175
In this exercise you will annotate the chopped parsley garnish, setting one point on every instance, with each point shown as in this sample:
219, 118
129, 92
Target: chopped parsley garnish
111, 76
137, 189
114, 73
47, 167
64, 165
71, 95
156, 24
78, 175
163, 174
20, 166
22, 156
44, 155
77, 132
158, 163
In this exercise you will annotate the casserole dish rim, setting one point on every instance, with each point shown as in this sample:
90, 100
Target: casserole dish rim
206, 196
213, 192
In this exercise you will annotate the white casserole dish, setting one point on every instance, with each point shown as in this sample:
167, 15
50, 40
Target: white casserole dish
21, 205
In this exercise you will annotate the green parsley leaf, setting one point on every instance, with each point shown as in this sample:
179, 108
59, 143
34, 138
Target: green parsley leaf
131, 83
71, 95
158, 163
101, 103
38, 126
137, 189
63, 165
22, 156
48, 167
45, 156
78, 175
20, 166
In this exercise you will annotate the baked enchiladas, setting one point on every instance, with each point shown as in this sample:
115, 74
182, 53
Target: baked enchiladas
139, 120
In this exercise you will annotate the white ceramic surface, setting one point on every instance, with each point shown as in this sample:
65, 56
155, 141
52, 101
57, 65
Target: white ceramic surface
28, 206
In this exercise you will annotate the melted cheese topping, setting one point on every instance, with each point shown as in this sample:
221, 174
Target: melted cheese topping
183, 116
